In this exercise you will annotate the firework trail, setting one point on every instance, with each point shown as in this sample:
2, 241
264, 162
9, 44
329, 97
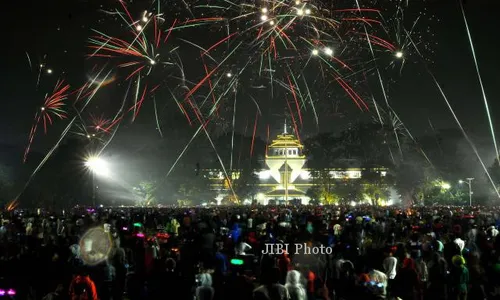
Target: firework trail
233, 129
445, 98
254, 133
486, 105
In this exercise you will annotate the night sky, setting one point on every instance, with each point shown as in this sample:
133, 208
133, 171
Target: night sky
56, 32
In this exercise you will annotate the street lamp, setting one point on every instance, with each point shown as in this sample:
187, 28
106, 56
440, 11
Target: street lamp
99, 167
469, 183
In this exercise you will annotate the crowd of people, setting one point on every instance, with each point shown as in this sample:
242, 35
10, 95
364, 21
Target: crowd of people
211, 253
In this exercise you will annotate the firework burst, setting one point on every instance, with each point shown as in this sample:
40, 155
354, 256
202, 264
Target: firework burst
280, 49
142, 53
52, 108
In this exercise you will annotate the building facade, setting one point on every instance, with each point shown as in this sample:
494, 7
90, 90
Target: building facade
285, 178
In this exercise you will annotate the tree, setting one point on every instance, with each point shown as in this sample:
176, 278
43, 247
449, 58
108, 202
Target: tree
411, 177
147, 191
367, 143
324, 187
348, 191
246, 186
375, 186
314, 194
191, 188
321, 150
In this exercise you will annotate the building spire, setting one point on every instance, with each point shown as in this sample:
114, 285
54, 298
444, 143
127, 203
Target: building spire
284, 132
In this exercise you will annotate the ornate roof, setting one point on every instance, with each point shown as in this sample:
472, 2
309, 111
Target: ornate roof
286, 140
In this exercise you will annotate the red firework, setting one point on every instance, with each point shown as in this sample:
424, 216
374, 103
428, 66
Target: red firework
52, 108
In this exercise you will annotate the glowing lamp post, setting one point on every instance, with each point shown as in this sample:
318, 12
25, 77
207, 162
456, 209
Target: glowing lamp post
469, 183
99, 167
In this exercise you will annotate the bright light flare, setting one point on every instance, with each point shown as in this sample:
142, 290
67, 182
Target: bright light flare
329, 51
271, 22
138, 27
49, 71
229, 75
399, 54
264, 10
308, 11
145, 19
98, 166
461, 181
263, 18
152, 62
297, 2
315, 52
445, 185
300, 12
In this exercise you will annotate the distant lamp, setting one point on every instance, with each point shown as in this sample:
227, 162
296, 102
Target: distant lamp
399, 54
315, 52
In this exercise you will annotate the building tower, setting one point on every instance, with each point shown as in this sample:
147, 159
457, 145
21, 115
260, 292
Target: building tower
285, 161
